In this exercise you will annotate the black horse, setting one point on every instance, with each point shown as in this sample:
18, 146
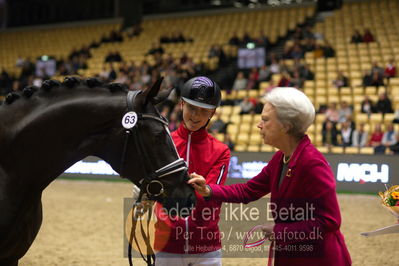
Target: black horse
43, 131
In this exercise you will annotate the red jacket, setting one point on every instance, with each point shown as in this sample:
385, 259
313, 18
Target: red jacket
210, 158
309, 179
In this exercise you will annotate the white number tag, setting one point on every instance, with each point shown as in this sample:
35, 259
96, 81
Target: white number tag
129, 120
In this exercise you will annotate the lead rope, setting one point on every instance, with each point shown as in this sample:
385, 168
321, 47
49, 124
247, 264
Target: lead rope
150, 258
260, 242
136, 213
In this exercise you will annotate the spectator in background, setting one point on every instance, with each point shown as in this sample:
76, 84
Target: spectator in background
247, 106
175, 37
298, 34
174, 121
306, 73
366, 79
376, 80
28, 68
389, 137
262, 40
285, 68
284, 80
165, 111
383, 104
328, 50
287, 51
349, 119
356, 37
396, 117
395, 147
344, 111
122, 78
234, 40
217, 51
359, 137
297, 52
253, 79
309, 45
377, 69
390, 69
367, 106
5, 82
240, 83
329, 133
308, 33
368, 36
228, 141
218, 126
341, 80
275, 66
296, 81
318, 51
116, 36
246, 38
264, 73
20, 61
114, 56
376, 139
346, 134
184, 58
258, 105
164, 39
156, 48
135, 30
104, 74
332, 113
112, 73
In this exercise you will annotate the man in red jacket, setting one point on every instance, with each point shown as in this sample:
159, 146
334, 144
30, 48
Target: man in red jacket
195, 239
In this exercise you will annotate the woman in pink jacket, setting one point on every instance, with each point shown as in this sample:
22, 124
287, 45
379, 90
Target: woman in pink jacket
307, 219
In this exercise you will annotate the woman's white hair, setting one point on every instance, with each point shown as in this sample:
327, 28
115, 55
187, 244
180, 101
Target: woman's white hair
294, 109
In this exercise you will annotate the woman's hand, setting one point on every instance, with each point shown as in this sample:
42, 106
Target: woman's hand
267, 228
199, 184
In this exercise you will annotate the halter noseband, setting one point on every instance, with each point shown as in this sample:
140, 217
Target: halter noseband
130, 123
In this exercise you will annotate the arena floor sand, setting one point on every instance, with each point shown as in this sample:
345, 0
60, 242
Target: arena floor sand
83, 225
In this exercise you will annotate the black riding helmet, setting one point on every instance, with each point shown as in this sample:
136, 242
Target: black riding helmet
201, 92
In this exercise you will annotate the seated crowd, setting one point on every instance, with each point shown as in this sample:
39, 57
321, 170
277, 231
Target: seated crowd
338, 129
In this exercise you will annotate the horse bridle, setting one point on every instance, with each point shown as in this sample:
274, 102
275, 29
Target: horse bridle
153, 179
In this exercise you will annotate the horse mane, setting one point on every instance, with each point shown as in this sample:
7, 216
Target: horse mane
69, 82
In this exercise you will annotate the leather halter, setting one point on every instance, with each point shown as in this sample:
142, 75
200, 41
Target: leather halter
153, 179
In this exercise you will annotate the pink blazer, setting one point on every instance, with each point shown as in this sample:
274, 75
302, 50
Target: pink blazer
309, 185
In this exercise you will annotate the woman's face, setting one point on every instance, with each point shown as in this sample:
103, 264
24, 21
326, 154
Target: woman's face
195, 117
271, 129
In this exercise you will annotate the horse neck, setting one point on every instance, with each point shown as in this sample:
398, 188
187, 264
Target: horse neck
52, 132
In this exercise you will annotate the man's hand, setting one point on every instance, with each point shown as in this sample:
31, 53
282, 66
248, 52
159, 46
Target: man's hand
199, 184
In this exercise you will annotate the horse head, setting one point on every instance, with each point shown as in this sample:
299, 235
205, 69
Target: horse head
148, 156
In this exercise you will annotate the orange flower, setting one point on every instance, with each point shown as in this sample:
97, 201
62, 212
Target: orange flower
395, 195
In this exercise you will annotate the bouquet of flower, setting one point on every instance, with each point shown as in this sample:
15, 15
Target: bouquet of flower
390, 199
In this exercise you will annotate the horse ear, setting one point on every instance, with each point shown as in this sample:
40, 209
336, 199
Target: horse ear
153, 91
161, 96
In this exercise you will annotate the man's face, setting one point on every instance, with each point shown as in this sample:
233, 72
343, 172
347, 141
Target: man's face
195, 117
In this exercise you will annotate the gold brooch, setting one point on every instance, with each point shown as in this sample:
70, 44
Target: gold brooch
289, 172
